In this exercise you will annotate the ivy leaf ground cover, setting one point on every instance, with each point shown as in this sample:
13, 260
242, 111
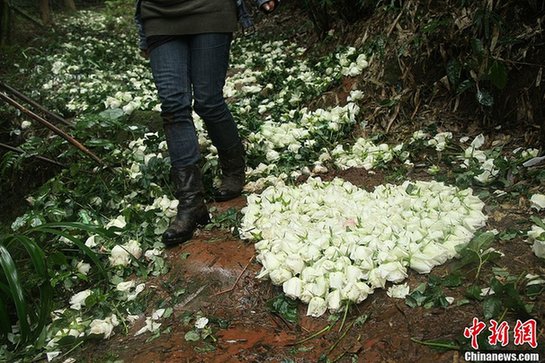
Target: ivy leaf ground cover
326, 243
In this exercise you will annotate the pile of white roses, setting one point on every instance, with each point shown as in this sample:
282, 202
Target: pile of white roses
328, 243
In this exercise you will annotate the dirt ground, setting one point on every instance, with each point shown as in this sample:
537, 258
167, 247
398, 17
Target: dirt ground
218, 276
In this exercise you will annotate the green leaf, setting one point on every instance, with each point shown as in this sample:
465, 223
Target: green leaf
285, 307
508, 235
112, 114
498, 75
474, 292
492, 307
416, 298
16, 291
537, 221
452, 280
192, 336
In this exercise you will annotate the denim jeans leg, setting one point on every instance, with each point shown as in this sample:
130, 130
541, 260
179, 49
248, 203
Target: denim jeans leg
209, 62
170, 64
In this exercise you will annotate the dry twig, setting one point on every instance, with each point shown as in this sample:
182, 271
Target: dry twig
238, 278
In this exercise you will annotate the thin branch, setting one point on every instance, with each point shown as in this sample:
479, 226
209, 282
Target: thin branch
33, 103
17, 150
52, 127
238, 278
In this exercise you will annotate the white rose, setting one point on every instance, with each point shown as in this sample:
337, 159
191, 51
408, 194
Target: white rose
279, 276
78, 300
125, 286
538, 201
83, 268
119, 257
398, 291
90, 242
334, 300
104, 326
421, 263
535, 232
336, 280
316, 307
118, 222
133, 247
293, 287
478, 141
539, 248
272, 155
138, 289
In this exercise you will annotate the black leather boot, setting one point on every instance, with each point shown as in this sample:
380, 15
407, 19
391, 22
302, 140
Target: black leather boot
233, 177
192, 211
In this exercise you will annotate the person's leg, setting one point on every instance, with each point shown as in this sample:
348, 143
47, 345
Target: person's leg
170, 64
209, 63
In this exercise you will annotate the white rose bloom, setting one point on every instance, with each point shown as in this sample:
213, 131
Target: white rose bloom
78, 300
535, 232
152, 253
201, 322
316, 307
104, 326
90, 242
334, 300
83, 268
336, 280
119, 256
133, 247
421, 263
539, 248
118, 222
137, 290
279, 276
538, 201
398, 291
125, 286
293, 287
478, 141
272, 155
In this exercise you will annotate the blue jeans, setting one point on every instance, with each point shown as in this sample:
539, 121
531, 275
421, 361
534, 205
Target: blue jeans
192, 69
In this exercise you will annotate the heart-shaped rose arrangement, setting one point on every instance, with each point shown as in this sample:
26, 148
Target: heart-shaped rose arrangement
328, 243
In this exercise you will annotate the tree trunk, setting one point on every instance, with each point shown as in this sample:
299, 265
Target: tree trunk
70, 5
45, 11
4, 21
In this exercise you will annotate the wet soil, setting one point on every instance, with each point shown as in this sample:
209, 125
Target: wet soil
217, 272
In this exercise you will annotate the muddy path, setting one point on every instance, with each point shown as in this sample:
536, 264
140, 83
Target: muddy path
216, 274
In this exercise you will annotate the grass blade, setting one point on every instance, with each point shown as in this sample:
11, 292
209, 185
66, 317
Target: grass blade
38, 259
93, 229
92, 255
16, 291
